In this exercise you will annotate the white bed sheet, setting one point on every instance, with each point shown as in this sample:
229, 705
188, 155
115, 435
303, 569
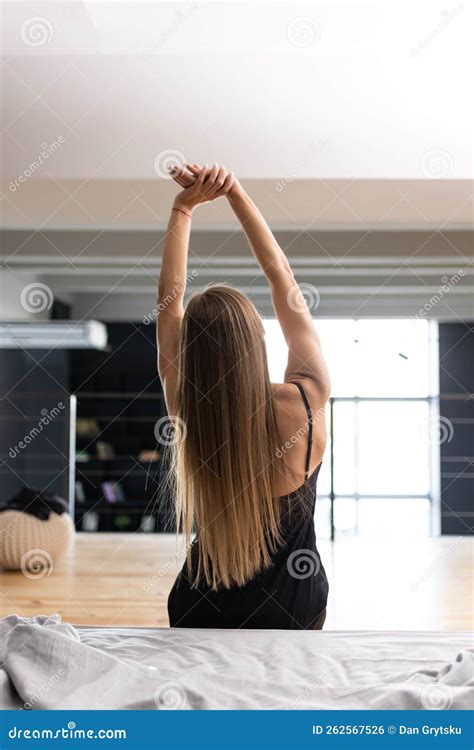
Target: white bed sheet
105, 668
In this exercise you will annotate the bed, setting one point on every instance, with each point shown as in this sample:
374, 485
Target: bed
48, 664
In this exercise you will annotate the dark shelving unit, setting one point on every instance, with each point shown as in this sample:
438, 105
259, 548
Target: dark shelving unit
140, 503
117, 485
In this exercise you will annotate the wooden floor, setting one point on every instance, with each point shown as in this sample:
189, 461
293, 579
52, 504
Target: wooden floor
124, 579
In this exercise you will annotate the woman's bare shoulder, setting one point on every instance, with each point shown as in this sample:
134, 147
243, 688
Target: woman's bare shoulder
289, 409
292, 420
284, 392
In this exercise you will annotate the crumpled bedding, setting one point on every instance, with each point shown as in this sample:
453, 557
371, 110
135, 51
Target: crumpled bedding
48, 664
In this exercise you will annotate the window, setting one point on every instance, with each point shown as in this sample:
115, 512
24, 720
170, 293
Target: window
382, 390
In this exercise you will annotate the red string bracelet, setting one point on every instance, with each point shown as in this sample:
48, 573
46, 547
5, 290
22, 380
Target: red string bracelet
186, 213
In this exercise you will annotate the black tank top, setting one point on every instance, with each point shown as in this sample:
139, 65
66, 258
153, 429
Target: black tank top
290, 594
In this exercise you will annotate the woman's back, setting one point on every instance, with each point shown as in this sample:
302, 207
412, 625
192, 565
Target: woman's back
291, 592
292, 424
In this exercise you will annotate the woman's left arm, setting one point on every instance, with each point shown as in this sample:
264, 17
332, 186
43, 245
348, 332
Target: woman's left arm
210, 184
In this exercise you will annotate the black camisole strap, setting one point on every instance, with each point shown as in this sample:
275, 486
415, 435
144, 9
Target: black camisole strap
309, 412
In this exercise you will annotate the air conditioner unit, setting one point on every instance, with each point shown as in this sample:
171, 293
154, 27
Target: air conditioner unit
54, 334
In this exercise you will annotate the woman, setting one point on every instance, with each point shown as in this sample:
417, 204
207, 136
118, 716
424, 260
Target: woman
249, 451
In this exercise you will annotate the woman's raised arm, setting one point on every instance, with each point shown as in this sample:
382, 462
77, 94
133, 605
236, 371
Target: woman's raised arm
210, 184
305, 358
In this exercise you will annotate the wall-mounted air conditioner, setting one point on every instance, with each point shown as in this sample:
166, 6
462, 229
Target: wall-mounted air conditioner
53, 334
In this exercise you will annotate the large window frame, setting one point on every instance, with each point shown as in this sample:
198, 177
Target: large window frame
431, 496
431, 399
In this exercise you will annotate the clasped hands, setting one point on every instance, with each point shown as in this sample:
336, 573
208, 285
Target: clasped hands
202, 184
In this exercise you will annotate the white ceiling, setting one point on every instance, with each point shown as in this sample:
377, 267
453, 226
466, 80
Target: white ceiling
316, 90
341, 116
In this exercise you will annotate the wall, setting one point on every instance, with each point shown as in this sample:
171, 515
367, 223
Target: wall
34, 417
456, 377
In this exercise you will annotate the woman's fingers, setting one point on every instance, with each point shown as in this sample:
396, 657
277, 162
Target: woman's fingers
209, 184
174, 171
227, 186
219, 181
201, 175
184, 181
197, 188
204, 183
194, 168
181, 175
190, 178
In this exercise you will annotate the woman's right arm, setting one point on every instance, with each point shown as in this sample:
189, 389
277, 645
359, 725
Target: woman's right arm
210, 184
305, 358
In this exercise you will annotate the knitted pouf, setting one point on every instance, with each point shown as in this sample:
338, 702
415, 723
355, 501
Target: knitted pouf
32, 545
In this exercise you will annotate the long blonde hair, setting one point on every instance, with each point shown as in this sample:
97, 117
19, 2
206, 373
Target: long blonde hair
225, 462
